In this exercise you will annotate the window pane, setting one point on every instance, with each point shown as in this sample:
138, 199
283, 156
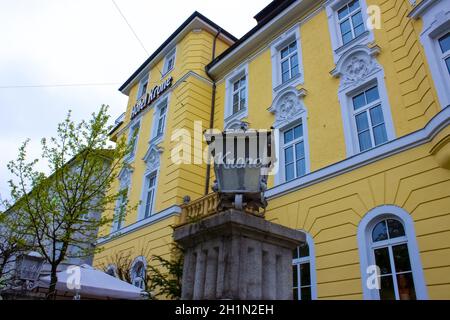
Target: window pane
406, 288
295, 254
243, 81
376, 115
447, 62
293, 47
382, 260
387, 288
395, 228
299, 150
346, 38
298, 131
306, 293
304, 250
148, 204
288, 136
353, 5
284, 53
444, 43
401, 258
295, 294
364, 140
359, 101
343, 12
379, 134
372, 95
285, 77
301, 167
294, 61
362, 122
379, 232
235, 103
305, 275
359, 30
242, 99
295, 275
357, 19
236, 86
290, 174
346, 27
285, 66
289, 155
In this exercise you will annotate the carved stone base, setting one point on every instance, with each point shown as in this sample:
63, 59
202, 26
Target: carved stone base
235, 255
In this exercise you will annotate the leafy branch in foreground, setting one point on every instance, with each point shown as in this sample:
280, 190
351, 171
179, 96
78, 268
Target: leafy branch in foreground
63, 212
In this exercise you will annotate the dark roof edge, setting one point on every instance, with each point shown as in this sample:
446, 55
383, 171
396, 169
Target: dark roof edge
267, 17
194, 15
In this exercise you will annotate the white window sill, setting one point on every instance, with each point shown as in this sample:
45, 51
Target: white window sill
241, 114
362, 38
293, 82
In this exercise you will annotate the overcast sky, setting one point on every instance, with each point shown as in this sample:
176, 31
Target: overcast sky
57, 55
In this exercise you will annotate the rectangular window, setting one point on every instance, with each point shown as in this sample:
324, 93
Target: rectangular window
369, 119
150, 191
294, 153
162, 110
351, 21
119, 212
142, 87
301, 273
444, 44
169, 62
239, 94
289, 62
132, 139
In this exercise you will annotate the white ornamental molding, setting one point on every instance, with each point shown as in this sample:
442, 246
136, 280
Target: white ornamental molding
287, 106
152, 157
125, 176
355, 66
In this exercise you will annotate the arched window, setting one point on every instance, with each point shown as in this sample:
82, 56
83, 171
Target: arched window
387, 240
303, 271
139, 273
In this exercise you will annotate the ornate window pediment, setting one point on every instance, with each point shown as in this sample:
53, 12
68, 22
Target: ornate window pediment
288, 107
355, 66
152, 157
125, 176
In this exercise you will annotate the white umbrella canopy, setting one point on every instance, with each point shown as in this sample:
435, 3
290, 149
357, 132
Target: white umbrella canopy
95, 283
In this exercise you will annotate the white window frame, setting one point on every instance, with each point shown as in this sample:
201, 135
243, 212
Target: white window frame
170, 56
145, 191
284, 146
345, 98
435, 16
444, 55
366, 109
235, 75
311, 259
143, 87
133, 125
366, 251
133, 276
337, 44
275, 49
283, 122
163, 101
349, 17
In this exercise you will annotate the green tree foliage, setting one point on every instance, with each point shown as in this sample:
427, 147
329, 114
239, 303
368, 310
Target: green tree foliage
63, 211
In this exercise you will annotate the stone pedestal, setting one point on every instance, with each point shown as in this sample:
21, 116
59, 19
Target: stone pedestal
235, 255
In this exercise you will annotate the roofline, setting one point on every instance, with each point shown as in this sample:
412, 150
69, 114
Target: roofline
263, 22
194, 15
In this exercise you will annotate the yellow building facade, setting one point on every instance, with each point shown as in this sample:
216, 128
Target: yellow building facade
358, 92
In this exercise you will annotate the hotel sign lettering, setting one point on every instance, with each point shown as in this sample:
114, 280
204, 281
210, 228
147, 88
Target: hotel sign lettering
150, 97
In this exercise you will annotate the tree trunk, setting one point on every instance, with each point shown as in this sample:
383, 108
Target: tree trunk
53, 280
